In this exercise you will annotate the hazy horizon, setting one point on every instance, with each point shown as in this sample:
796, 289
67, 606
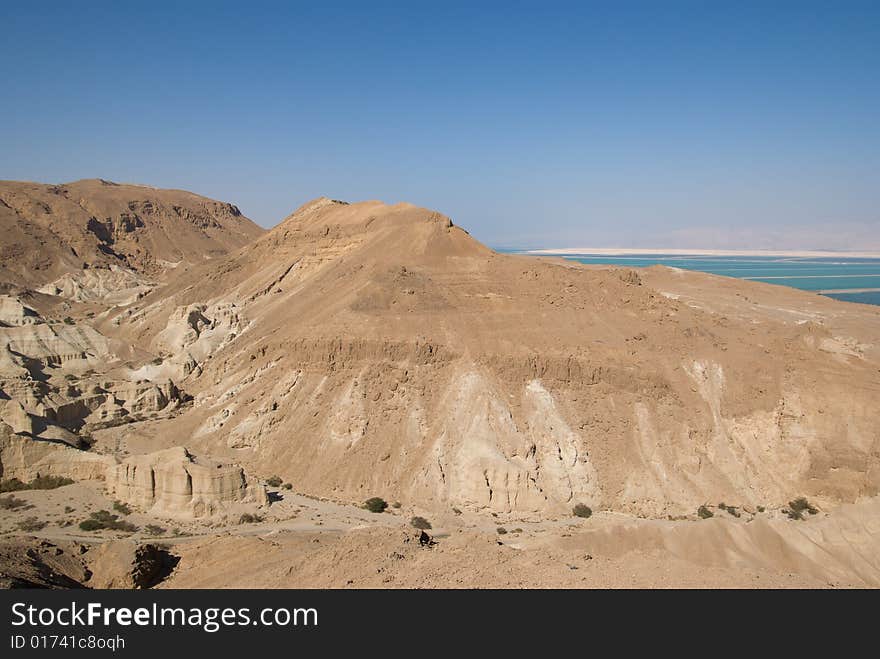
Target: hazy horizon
535, 126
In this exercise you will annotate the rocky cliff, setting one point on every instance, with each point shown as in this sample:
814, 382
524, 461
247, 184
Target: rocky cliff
174, 483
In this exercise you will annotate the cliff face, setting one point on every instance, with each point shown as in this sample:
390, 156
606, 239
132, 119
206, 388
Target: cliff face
173, 483
70, 253
93, 238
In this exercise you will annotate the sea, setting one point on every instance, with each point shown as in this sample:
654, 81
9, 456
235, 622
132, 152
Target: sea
848, 279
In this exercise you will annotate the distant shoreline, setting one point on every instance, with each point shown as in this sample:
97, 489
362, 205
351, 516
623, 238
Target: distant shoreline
619, 251
847, 291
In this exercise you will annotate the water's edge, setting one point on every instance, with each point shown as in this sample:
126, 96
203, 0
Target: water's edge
843, 278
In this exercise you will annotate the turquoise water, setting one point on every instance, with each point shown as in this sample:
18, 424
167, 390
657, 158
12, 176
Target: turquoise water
865, 298
811, 274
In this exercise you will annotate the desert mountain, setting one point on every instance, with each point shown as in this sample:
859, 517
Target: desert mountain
360, 350
371, 349
92, 238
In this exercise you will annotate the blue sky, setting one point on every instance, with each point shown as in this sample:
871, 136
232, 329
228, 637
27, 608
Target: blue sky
664, 124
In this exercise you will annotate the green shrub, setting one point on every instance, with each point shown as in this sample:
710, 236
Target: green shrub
287, 486
420, 523
761, 509
104, 519
69, 509
580, 510
517, 531
732, 510
501, 530
39, 483
12, 485
121, 508
105, 516
801, 504
12, 503
31, 524
375, 505
396, 504
152, 529
798, 507
91, 525
49, 482
704, 513
274, 481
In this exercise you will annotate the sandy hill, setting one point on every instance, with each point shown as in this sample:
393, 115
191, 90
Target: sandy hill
91, 237
361, 349
365, 349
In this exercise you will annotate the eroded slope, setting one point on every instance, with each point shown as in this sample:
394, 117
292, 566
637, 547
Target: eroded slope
370, 349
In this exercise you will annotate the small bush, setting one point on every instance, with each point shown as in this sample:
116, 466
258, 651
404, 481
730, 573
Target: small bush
39, 483
12, 503
732, 510
287, 486
12, 485
761, 509
69, 509
31, 524
517, 531
501, 530
49, 482
121, 508
704, 513
420, 523
798, 507
112, 521
104, 519
456, 511
801, 504
91, 525
274, 481
375, 505
152, 529
248, 518
396, 504
580, 510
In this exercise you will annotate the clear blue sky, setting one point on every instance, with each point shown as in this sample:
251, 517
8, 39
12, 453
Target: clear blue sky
530, 124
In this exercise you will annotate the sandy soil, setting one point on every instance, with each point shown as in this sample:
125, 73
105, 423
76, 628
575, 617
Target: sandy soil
308, 543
